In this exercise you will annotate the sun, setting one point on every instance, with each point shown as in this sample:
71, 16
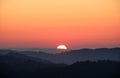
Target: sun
62, 47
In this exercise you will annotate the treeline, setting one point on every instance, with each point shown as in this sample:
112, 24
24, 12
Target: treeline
85, 69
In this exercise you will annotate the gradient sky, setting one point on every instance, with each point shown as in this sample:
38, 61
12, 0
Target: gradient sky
48, 23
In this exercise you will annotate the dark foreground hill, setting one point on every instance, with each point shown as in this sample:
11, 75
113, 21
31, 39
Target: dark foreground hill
14, 62
15, 65
101, 69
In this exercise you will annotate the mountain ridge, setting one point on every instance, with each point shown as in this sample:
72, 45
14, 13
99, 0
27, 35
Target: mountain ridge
72, 56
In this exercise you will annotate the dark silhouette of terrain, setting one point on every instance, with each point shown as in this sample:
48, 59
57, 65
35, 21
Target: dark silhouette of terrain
78, 55
87, 69
14, 62
19, 65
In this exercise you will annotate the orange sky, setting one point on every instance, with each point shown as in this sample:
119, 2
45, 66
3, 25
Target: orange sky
48, 23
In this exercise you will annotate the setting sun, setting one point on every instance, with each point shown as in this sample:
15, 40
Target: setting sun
62, 47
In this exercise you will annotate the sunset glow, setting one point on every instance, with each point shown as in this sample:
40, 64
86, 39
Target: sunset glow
63, 47
48, 23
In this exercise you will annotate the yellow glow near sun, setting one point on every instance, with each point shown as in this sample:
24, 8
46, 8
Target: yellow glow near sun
62, 47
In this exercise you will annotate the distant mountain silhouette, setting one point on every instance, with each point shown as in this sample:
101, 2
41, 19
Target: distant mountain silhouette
80, 55
15, 64
76, 55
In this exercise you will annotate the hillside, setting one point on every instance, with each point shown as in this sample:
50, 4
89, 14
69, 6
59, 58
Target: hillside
79, 55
